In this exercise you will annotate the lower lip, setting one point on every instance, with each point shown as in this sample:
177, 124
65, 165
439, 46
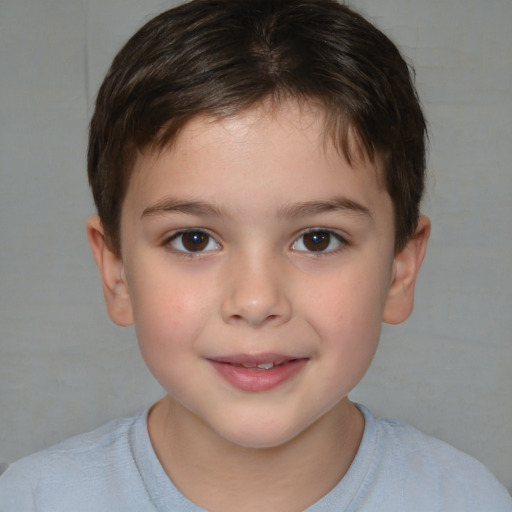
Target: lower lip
256, 380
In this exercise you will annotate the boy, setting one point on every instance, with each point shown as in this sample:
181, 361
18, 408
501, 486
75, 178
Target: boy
258, 167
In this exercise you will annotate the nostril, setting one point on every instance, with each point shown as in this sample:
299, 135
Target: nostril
255, 320
252, 303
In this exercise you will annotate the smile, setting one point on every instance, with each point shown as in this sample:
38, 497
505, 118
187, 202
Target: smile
261, 366
258, 373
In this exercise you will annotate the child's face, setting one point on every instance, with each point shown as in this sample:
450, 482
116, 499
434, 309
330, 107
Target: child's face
252, 241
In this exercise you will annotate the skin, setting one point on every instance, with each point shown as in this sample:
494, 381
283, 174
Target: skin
253, 185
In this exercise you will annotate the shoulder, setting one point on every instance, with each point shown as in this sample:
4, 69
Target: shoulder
64, 474
431, 471
76, 453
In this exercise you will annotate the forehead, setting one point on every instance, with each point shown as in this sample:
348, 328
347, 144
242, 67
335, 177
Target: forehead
261, 145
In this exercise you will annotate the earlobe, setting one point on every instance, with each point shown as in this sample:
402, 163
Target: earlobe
111, 268
407, 263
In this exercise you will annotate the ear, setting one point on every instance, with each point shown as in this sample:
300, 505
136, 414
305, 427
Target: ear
110, 265
406, 265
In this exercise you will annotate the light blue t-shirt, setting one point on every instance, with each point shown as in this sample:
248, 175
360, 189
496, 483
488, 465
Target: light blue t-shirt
114, 469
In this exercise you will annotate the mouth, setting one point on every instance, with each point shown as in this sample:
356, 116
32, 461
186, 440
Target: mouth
258, 373
260, 366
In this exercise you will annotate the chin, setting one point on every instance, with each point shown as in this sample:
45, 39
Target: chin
261, 435
259, 440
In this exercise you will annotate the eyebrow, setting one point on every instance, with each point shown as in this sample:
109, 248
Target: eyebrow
169, 205
310, 208
304, 209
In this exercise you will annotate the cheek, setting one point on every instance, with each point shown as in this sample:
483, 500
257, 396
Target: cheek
166, 335
348, 299
168, 318
349, 341
347, 314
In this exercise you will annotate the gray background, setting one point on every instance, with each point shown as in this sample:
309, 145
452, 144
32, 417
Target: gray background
65, 369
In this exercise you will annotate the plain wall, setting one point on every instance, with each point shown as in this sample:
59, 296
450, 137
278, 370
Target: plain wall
65, 369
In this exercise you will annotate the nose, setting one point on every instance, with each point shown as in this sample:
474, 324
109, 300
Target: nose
256, 293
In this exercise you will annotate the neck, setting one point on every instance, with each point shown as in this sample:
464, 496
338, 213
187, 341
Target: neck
219, 475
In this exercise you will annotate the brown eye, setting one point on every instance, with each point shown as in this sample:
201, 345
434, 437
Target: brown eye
193, 241
317, 240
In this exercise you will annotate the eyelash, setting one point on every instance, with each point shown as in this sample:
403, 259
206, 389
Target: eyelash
184, 252
340, 241
325, 235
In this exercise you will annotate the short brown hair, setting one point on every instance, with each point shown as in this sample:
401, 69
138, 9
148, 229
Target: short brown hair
218, 57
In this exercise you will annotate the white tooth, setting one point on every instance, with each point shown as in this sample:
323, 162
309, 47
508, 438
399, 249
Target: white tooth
249, 365
265, 366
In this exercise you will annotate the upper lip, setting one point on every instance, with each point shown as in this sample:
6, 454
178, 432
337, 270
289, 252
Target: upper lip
248, 359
